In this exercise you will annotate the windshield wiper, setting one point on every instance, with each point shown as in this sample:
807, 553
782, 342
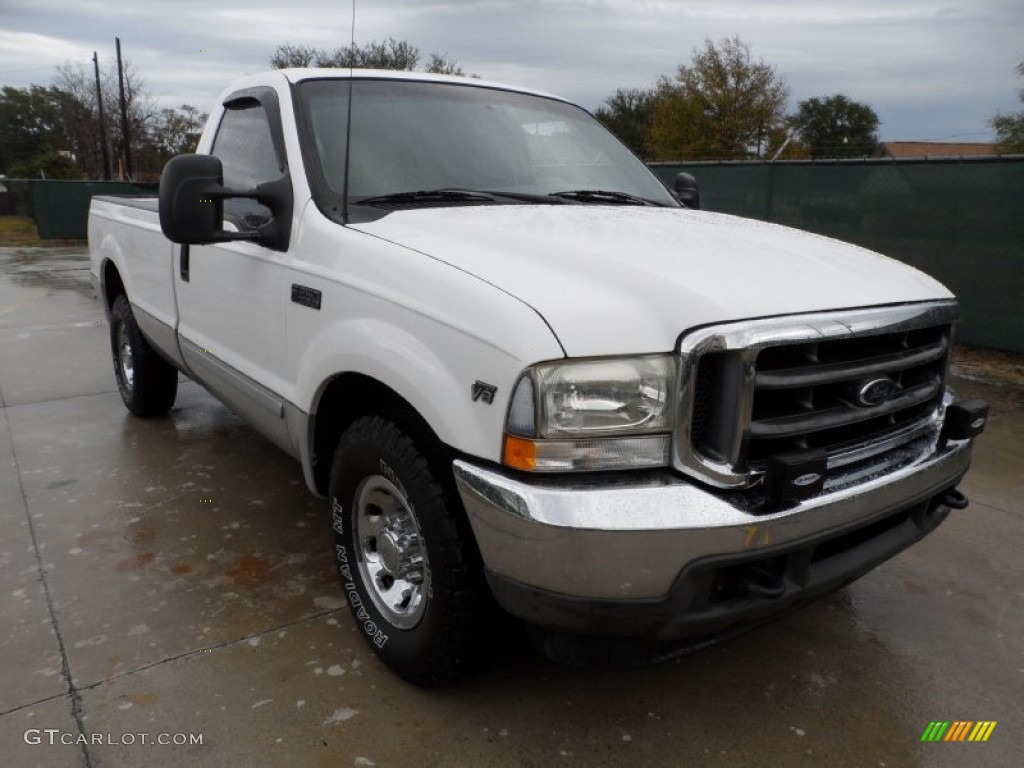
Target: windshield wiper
456, 195
603, 196
427, 196
528, 197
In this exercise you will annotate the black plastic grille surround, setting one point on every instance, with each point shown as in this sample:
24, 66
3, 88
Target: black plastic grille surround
815, 395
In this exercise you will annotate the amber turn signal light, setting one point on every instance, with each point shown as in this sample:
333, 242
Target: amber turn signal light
520, 453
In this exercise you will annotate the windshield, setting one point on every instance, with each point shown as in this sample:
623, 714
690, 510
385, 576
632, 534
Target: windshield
409, 136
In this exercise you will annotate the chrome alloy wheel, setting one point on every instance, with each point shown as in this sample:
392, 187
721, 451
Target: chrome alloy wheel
391, 555
124, 357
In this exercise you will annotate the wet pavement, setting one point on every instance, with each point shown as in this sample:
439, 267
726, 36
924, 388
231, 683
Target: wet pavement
173, 577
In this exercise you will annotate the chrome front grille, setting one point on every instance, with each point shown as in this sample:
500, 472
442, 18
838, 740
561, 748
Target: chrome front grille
850, 384
807, 395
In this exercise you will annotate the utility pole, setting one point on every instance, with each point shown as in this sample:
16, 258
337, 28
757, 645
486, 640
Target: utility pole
103, 123
124, 114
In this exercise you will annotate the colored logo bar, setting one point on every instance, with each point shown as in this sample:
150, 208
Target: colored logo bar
959, 730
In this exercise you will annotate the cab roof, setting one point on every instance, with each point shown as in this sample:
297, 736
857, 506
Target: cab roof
298, 75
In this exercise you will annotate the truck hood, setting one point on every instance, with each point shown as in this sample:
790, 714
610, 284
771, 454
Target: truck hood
618, 280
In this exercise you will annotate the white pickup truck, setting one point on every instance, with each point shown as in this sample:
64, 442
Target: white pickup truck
523, 373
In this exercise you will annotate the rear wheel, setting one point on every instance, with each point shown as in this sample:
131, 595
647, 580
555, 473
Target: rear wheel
404, 553
148, 384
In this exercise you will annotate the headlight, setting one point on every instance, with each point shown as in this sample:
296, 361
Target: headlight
592, 414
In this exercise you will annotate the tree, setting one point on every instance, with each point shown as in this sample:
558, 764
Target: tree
835, 126
288, 55
722, 106
628, 114
177, 131
81, 124
25, 120
142, 113
45, 165
440, 64
1010, 128
156, 135
80, 127
79, 130
55, 130
36, 133
387, 54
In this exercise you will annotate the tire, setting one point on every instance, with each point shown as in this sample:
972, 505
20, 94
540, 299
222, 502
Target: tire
148, 384
406, 557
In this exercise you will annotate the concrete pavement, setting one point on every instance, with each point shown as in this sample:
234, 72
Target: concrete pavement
173, 577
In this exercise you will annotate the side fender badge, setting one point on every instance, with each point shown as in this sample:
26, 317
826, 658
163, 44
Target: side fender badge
483, 391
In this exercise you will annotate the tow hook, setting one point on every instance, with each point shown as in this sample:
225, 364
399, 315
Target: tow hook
762, 582
954, 499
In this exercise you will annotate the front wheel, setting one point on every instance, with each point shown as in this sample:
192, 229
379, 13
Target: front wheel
148, 384
404, 553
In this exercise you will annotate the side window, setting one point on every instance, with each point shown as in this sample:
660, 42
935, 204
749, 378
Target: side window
246, 149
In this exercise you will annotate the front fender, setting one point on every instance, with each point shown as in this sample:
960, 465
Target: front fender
423, 328
432, 367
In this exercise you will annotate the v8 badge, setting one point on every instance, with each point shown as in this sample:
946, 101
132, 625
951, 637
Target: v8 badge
483, 391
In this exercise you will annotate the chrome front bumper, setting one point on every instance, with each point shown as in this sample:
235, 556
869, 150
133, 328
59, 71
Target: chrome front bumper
629, 537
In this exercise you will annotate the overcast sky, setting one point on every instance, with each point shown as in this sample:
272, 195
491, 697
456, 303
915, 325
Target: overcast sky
931, 69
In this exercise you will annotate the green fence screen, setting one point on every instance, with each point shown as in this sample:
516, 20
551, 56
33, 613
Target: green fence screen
961, 221
61, 208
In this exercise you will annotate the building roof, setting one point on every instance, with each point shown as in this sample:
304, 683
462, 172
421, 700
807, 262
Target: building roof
901, 149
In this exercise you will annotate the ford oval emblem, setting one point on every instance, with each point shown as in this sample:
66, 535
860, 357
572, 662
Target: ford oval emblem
876, 391
809, 479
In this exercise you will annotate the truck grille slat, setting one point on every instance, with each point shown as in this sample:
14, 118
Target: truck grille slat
814, 375
839, 415
855, 384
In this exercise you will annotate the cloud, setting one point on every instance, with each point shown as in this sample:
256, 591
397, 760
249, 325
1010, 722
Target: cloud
927, 66
28, 53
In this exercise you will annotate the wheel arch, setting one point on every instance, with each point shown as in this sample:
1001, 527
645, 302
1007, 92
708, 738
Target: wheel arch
113, 285
348, 396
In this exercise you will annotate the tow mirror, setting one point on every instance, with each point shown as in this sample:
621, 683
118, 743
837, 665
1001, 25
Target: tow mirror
687, 191
192, 200
192, 195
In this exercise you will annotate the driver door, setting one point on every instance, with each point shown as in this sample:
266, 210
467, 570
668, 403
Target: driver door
232, 296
